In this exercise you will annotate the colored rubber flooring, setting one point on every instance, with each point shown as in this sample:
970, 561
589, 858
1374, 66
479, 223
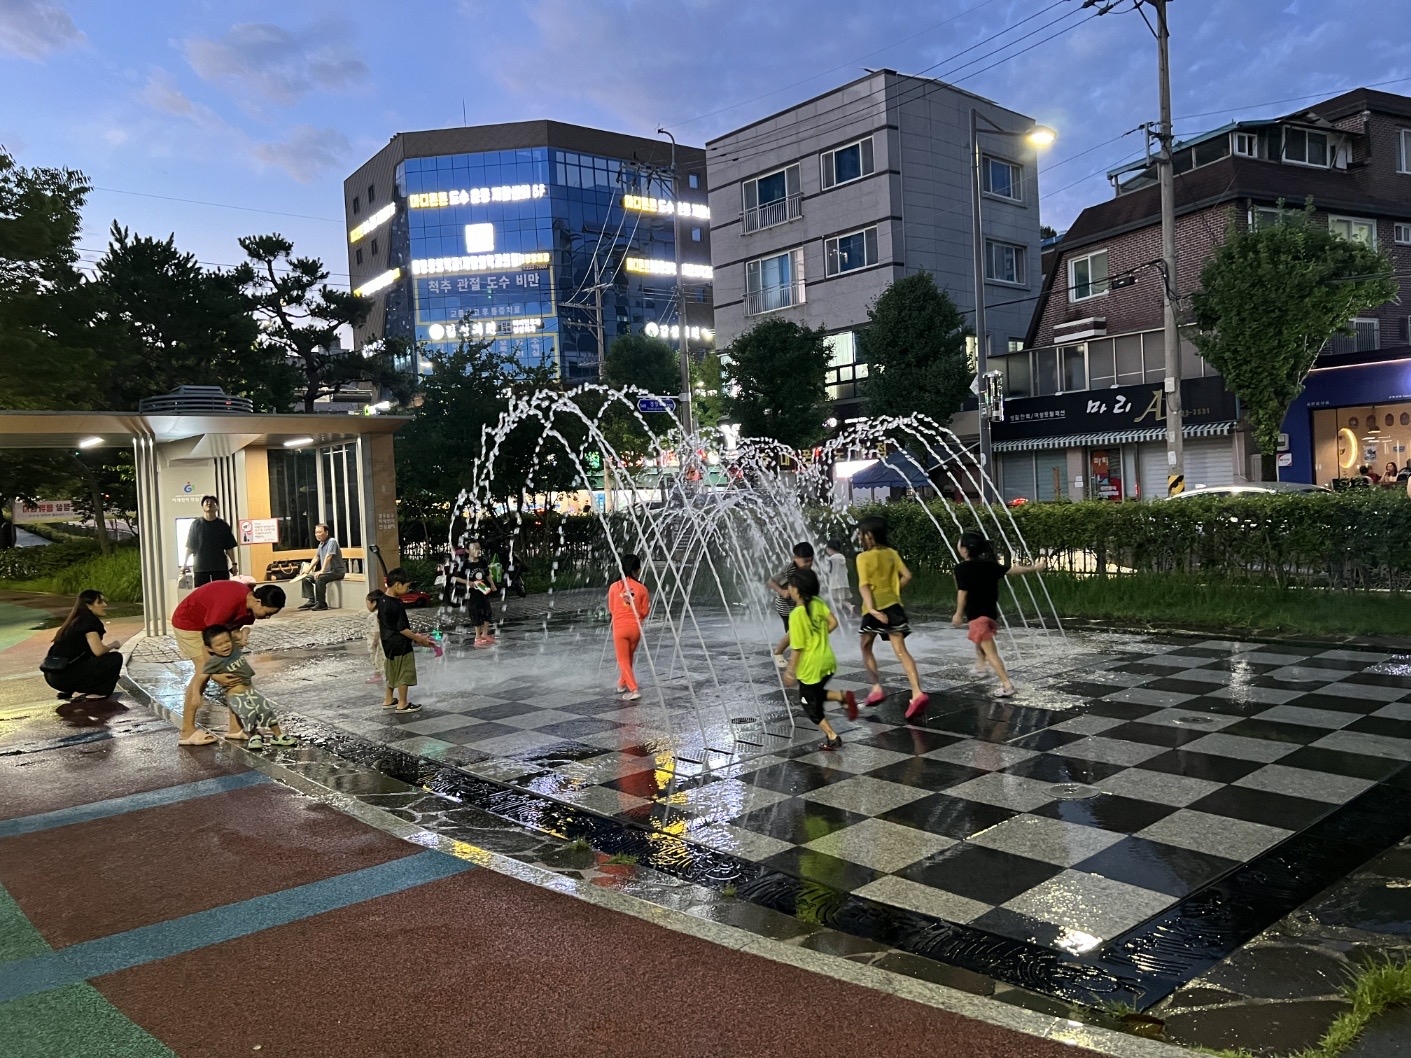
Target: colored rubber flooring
159, 901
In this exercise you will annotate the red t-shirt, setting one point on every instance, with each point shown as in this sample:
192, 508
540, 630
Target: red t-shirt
218, 602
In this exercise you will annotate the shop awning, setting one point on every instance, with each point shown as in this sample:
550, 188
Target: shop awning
895, 471
1111, 437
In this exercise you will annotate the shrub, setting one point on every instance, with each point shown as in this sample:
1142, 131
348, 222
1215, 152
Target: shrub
67, 569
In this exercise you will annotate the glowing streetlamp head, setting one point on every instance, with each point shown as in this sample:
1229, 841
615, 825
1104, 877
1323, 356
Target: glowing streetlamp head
1040, 136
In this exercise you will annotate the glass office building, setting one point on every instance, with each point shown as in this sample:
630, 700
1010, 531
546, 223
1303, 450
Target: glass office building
534, 245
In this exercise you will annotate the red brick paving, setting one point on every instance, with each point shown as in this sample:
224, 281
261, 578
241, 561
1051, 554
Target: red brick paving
483, 965
89, 880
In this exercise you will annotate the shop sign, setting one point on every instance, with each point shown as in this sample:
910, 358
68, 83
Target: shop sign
1099, 410
1106, 484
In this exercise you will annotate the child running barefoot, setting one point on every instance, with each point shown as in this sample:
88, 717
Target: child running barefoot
629, 603
977, 580
249, 709
374, 638
881, 575
813, 662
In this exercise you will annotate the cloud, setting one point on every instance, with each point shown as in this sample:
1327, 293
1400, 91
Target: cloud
277, 64
307, 154
161, 93
33, 29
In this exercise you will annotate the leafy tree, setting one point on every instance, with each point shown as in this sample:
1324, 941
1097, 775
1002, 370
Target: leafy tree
708, 392
301, 316
648, 363
163, 321
914, 345
776, 375
1270, 299
45, 358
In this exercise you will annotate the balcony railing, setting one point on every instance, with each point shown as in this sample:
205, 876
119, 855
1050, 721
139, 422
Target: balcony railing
771, 299
1366, 338
780, 211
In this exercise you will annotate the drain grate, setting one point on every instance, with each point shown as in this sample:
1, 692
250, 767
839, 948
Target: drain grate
1194, 721
1073, 791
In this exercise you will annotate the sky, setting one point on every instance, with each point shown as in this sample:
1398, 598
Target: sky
212, 120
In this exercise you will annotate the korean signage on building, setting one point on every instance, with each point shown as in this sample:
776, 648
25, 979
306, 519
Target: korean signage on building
44, 511
1100, 410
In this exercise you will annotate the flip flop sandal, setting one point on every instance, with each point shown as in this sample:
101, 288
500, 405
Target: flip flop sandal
412, 708
283, 740
236, 736
255, 742
200, 738
389, 705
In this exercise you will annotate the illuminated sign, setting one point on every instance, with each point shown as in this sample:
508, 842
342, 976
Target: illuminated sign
647, 266
477, 196
480, 238
695, 334
486, 262
382, 282
643, 204
381, 217
449, 332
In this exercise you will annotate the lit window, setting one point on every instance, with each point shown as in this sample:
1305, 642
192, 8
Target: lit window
1403, 233
1087, 276
1002, 178
845, 164
1356, 229
1305, 147
1004, 262
846, 253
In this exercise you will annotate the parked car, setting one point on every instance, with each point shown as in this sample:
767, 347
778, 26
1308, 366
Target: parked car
1253, 488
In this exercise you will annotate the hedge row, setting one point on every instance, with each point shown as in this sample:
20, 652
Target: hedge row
35, 563
1346, 540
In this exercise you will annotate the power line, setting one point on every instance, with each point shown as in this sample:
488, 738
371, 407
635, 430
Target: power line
215, 205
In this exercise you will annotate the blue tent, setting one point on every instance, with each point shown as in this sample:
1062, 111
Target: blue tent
895, 471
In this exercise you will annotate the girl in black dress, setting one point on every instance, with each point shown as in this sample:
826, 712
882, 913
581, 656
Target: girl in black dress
79, 663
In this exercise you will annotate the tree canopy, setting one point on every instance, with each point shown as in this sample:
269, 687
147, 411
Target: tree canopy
648, 363
776, 382
1270, 299
914, 345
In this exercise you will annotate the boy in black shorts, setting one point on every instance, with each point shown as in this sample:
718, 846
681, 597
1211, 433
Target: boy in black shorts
784, 602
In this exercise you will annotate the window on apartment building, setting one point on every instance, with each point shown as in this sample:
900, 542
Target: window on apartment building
1265, 216
1004, 262
1018, 376
1127, 350
1306, 147
693, 181
1002, 178
1356, 229
1074, 364
1246, 144
371, 194
771, 199
847, 253
1403, 150
1087, 276
843, 164
695, 234
1102, 365
1402, 233
360, 255
773, 283
1045, 372
374, 247
357, 206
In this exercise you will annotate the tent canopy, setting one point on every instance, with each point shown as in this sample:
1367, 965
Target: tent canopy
895, 471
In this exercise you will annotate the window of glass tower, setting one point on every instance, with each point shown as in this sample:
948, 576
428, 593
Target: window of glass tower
477, 228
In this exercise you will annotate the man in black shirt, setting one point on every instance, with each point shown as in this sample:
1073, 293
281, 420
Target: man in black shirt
212, 544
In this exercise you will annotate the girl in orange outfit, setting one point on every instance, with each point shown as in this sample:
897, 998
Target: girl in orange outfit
628, 602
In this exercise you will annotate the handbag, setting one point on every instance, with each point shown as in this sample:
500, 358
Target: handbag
54, 663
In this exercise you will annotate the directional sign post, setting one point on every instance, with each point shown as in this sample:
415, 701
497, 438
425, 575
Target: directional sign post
648, 405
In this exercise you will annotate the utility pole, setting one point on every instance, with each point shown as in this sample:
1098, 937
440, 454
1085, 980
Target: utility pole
598, 314
1175, 419
685, 348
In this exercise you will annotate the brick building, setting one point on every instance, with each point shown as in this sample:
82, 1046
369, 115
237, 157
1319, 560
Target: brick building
1084, 414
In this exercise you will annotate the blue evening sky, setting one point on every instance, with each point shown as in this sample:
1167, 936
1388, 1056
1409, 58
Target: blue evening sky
267, 106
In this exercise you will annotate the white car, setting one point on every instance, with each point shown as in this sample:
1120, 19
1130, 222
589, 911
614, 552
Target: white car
1252, 488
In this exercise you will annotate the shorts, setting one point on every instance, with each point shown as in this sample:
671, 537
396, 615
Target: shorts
190, 644
251, 708
480, 613
896, 623
813, 696
982, 630
400, 671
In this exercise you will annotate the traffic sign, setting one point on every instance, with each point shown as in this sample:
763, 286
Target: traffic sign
647, 405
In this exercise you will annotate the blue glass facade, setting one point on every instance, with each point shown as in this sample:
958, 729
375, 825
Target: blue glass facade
505, 245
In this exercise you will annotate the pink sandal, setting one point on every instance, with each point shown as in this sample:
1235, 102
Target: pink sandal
876, 697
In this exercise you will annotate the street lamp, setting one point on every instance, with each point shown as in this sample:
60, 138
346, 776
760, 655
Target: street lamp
1037, 137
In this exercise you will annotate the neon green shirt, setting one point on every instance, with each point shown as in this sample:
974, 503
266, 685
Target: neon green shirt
808, 636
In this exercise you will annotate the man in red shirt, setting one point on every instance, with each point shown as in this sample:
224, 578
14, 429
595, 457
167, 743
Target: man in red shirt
231, 603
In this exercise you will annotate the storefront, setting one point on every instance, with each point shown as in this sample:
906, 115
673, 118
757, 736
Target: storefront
1110, 444
1350, 416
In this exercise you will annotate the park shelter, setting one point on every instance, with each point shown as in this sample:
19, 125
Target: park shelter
276, 475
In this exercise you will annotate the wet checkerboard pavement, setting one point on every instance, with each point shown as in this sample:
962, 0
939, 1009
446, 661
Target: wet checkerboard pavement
1138, 786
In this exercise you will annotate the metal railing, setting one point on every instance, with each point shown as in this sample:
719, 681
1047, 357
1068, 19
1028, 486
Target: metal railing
771, 299
780, 211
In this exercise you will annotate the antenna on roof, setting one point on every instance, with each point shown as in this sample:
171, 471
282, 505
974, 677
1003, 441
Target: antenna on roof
464, 122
